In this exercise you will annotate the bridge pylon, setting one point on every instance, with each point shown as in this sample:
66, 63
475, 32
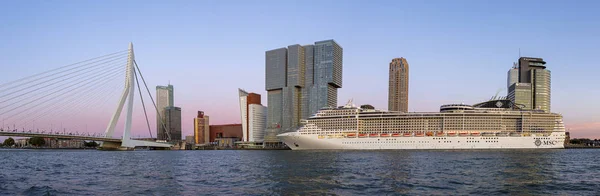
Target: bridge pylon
127, 96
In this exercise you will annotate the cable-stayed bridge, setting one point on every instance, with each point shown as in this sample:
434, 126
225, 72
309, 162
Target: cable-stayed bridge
74, 101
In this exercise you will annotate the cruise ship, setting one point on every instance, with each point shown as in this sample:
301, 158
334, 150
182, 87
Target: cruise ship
494, 124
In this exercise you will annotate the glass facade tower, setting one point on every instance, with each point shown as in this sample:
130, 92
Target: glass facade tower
164, 99
533, 89
299, 81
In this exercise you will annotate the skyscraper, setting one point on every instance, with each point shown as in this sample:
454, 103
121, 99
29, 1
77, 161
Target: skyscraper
398, 86
540, 84
257, 122
520, 94
164, 99
173, 116
513, 76
300, 80
201, 129
254, 117
533, 75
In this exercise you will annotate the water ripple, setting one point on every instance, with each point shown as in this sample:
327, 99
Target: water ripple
447, 172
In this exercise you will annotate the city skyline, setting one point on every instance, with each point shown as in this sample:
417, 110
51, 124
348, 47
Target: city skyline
476, 50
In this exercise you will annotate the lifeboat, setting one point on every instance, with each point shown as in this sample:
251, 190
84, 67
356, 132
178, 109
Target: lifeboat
429, 133
362, 135
406, 134
373, 135
488, 134
475, 133
420, 134
464, 134
385, 135
451, 133
502, 134
395, 135
439, 134
352, 135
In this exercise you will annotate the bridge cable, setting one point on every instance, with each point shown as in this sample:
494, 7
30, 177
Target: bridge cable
4, 107
77, 106
54, 97
56, 106
50, 71
21, 88
143, 105
33, 106
43, 82
154, 103
48, 106
90, 104
56, 114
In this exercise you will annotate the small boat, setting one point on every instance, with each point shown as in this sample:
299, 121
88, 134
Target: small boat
451, 133
464, 134
475, 133
351, 135
420, 134
429, 133
373, 135
395, 135
385, 135
439, 134
488, 134
362, 135
407, 134
515, 135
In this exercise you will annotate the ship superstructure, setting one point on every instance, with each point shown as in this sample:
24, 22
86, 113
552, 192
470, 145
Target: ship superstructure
491, 124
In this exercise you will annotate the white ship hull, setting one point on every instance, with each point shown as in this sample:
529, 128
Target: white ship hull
297, 141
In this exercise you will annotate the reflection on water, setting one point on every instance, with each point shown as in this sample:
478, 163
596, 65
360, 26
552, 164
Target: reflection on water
481, 172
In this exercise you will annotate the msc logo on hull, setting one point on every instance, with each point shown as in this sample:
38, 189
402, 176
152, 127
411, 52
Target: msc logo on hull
539, 142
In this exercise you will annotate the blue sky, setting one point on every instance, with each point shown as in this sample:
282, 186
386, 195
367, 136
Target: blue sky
458, 51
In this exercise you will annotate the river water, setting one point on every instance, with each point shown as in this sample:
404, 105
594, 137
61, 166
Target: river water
228, 172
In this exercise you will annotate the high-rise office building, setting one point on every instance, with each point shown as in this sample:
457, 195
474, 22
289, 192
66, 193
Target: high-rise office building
520, 94
532, 74
173, 125
398, 85
254, 117
526, 64
257, 122
513, 76
300, 80
164, 99
201, 129
540, 84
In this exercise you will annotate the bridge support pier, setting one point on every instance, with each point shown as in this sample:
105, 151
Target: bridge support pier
113, 146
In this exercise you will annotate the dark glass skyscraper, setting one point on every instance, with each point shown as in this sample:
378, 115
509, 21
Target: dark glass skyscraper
533, 89
300, 80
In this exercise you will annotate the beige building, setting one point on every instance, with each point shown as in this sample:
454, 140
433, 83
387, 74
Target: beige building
201, 129
398, 87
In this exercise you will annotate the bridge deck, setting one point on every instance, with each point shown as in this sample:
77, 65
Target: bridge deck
78, 137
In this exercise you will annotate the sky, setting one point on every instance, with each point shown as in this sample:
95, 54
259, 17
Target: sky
458, 51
